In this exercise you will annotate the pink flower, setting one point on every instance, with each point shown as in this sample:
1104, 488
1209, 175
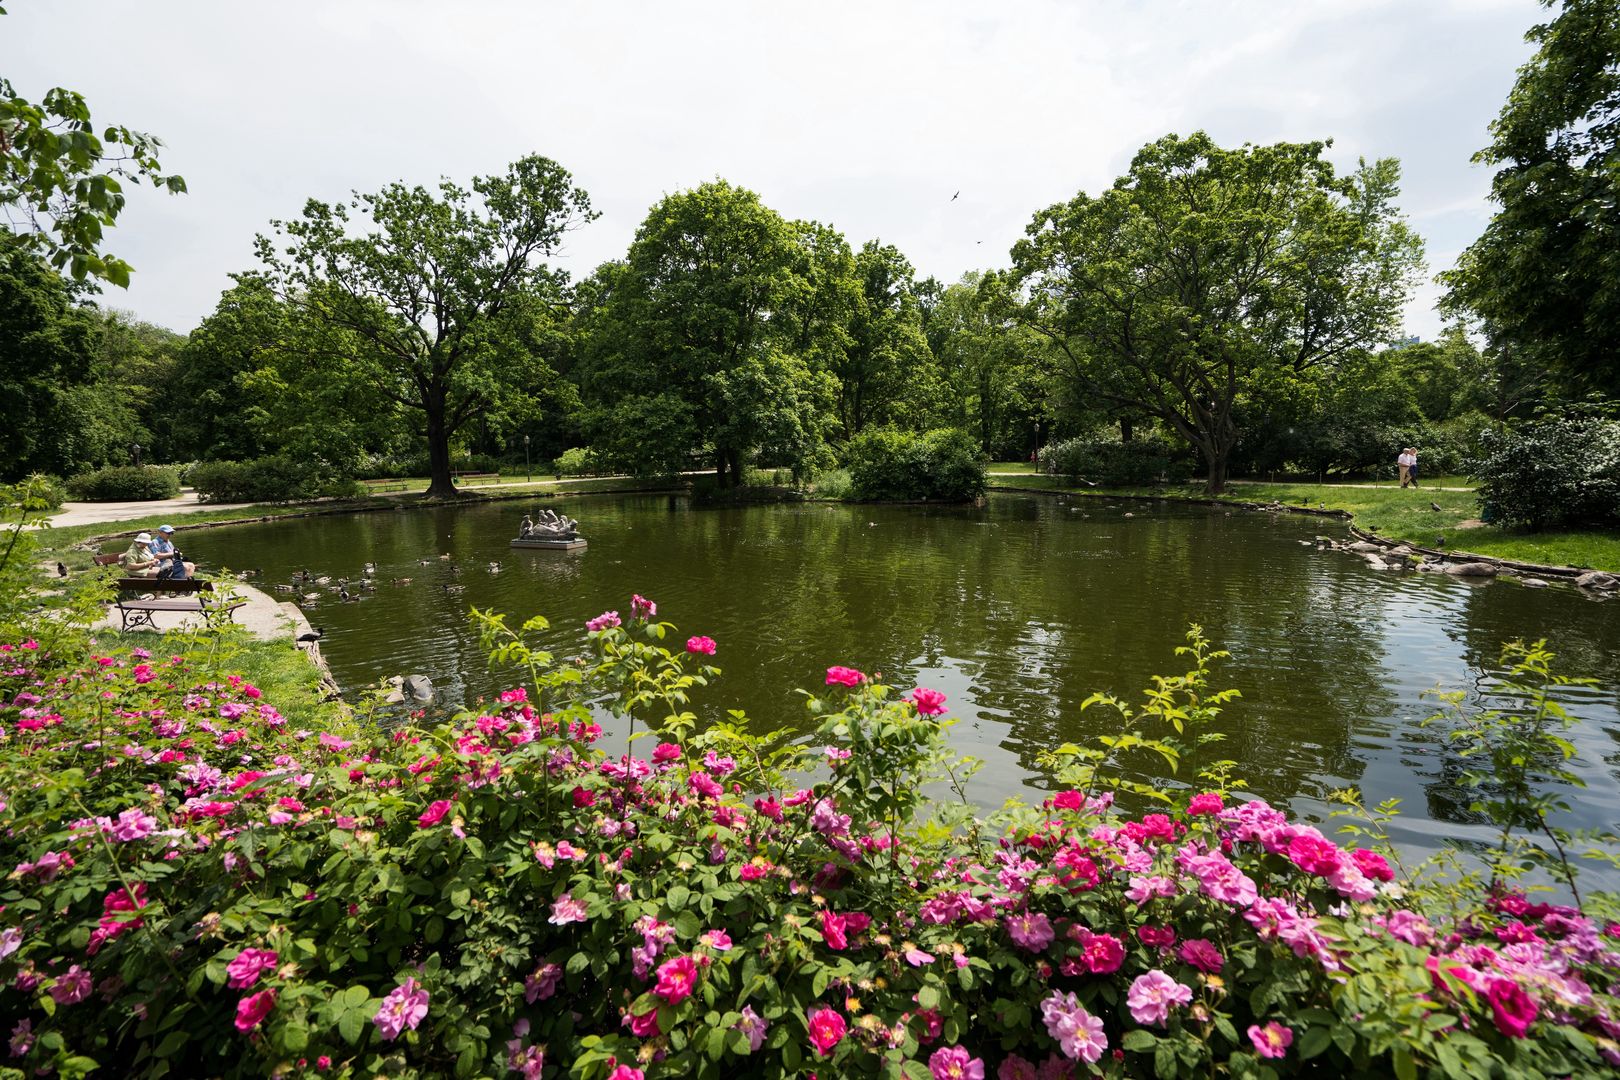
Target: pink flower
1271, 1041
1156, 937
542, 982
1206, 804
826, 1029
753, 1026
1029, 930
833, 928
844, 676
248, 965
627, 1072
1199, 953
1512, 1008
676, 979
929, 703
1079, 1034
916, 957
1314, 855
666, 752
955, 1063
72, 986
433, 814
645, 1025
1372, 864
566, 910
700, 644
718, 940
1101, 953
769, 808
642, 608
405, 1007
1152, 995
133, 824
603, 621
251, 1010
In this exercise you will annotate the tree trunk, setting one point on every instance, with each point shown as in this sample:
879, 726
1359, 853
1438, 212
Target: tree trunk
440, 484
1126, 429
720, 468
1217, 470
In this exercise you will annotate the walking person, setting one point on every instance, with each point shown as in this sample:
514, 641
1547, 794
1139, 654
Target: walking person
1404, 463
1412, 465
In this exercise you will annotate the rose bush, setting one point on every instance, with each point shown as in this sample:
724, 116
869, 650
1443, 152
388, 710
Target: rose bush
197, 886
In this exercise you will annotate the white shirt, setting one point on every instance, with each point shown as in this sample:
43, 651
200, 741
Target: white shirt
1406, 459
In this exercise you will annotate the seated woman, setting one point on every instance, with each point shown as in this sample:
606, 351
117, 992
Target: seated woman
139, 561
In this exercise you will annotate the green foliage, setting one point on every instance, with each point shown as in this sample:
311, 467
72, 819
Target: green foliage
1100, 458
117, 483
61, 185
991, 371
267, 479
1544, 278
944, 464
549, 902
717, 360
1204, 270
1552, 471
575, 461
459, 328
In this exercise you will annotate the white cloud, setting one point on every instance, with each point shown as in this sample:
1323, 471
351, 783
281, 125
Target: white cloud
867, 116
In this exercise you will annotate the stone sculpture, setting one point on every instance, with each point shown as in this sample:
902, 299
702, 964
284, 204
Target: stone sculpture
548, 529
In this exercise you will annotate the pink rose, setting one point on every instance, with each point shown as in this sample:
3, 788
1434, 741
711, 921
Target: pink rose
433, 814
928, 702
700, 644
251, 1010
826, 1029
843, 676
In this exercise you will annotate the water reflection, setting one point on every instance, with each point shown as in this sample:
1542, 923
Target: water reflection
1018, 611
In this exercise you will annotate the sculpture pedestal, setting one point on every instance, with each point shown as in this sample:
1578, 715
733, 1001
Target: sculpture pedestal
551, 545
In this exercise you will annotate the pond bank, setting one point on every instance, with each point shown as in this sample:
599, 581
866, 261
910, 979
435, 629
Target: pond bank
1442, 521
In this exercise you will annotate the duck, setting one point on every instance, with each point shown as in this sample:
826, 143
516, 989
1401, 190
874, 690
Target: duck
312, 637
322, 580
365, 584
283, 588
495, 567
445, 557
400, 581
425, 562
303, 575
452, 590
243, 575
61, 569
348, 597
369, 569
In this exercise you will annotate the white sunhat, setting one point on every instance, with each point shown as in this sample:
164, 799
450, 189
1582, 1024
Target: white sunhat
143, 538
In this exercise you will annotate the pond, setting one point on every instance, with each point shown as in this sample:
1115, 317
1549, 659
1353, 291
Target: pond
1017, 611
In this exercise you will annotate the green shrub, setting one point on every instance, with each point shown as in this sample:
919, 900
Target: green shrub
1102, 459
576, 461
119, 483
35, 493
942, 464
1554, 471
266, 479
242, 896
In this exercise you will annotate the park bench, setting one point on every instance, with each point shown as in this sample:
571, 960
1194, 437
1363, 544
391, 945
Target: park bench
141, 598
460, 476
384, 483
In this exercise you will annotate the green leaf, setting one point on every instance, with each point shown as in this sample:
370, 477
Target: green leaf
1139, 1041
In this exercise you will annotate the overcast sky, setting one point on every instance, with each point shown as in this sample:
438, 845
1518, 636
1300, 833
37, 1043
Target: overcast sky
867, 116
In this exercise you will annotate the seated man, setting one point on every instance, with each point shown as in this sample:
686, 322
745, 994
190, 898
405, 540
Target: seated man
139, 561
171, 565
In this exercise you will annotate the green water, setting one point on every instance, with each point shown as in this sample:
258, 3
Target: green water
1018, 611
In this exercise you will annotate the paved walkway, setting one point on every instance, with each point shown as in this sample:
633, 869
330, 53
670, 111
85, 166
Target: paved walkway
264, 616
156, 510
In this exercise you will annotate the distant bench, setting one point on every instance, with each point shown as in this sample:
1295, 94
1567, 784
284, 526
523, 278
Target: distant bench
458, 476
136, 611
384, 483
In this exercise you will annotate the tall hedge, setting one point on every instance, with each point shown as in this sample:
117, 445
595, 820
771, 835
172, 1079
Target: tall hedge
1554, 471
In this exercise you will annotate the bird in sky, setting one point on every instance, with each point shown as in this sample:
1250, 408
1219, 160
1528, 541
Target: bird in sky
953, 197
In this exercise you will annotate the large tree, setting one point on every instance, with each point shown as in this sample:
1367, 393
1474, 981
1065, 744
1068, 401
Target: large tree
1203, 266
439, 296
1544, 278
886, 370
699, 347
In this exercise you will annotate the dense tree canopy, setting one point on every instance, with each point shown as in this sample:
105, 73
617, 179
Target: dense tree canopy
700, 344
435, 308
1545, 277
1203, 268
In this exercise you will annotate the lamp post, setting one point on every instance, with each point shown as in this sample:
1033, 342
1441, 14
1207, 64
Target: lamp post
135, 452
527, 471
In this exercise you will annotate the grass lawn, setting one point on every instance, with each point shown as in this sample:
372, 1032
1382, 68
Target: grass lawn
1400, 515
